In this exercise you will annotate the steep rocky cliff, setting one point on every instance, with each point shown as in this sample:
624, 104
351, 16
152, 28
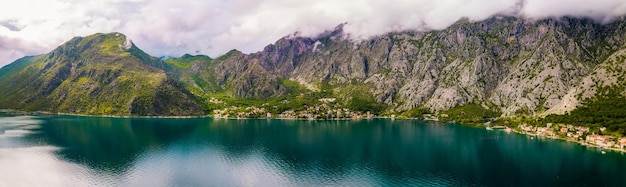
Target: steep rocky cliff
509, 64
505, 64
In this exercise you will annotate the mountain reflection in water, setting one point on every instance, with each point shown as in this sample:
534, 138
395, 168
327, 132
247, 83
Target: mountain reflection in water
69, 150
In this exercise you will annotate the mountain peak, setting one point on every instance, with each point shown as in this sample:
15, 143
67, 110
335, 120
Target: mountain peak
100, 74
118, 39
113, 43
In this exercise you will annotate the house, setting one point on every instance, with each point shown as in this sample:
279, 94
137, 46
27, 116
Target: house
592, 138
550, 132
605, 143
545, 131
573, 135
621, 143
541, 130
564, 130
528, 128
602, 141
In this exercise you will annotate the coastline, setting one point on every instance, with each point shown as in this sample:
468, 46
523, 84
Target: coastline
87, 115
210, 116
308, 119
581, 143
20, 112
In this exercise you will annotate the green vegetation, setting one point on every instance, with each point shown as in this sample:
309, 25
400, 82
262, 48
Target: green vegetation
100, 75
15, 67
358, 98
95, 76
470, 114
186, 61
366, 104
607, 109
417, 112
112, 45
228, 55
297, 98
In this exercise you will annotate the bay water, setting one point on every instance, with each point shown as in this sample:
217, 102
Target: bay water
105, 151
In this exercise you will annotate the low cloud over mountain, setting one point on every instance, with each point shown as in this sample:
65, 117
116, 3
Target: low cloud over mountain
213, 27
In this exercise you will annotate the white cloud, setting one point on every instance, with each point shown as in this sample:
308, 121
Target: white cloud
603, 10
164, 27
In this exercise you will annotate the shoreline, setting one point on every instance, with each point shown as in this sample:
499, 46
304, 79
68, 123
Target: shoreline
87, 115
581, 143
20, 112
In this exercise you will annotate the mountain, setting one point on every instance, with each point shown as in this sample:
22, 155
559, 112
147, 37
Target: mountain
505, 64
500, 66
101, 74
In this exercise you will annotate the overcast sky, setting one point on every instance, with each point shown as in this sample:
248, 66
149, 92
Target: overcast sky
212, 27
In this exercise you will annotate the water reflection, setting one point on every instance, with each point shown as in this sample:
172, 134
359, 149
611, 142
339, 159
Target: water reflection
110, 144
192, 152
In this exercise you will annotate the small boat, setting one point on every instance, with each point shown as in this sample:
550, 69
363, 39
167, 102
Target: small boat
489, 128
603, 152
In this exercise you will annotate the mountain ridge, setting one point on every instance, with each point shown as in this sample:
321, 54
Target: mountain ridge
505, 64
101, 74
511, 64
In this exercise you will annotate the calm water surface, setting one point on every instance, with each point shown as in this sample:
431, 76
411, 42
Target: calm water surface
87, 151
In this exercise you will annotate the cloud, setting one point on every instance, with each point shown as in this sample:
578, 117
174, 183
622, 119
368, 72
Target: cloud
213, 27
602, 10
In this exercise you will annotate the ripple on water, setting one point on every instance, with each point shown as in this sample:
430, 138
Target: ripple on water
333, 155
19, 121
12, 129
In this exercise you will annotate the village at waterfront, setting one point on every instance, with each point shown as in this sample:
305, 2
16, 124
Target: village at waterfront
579, 134
594, 137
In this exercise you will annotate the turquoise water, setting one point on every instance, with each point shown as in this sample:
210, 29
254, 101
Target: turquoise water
87, 151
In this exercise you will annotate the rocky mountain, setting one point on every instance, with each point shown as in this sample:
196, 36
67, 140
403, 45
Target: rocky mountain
508, 64
101, 74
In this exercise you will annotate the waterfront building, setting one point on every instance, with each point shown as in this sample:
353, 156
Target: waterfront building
622, 143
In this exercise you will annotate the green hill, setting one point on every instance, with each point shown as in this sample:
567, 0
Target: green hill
101, 74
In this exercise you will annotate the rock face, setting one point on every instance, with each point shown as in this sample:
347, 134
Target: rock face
611, 74
102, 74
508, 64
505, 63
